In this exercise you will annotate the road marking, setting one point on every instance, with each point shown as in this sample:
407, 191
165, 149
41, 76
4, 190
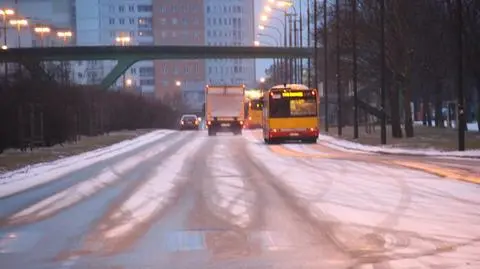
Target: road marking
440, 171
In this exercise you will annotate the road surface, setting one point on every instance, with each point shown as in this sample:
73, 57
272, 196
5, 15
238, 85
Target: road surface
186, 200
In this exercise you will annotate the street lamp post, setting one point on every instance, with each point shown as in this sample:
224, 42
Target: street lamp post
325, 59
19, 23
5, 13
123, 41
355, 90
42, 31
339, 87
65, 35
461, 113
383, 129
309, 60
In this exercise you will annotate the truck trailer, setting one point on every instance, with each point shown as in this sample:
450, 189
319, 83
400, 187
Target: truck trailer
224, 108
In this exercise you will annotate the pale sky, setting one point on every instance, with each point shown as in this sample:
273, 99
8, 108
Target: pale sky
261, 65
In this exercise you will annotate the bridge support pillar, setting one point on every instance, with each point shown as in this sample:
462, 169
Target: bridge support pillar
122, 65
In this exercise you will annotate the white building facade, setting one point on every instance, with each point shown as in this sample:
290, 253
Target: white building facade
101, 22
230, 23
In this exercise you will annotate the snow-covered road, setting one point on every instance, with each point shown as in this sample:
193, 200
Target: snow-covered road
174, 199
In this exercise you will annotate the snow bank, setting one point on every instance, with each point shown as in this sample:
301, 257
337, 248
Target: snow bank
28, 177
345, 145
154, 194
84, 189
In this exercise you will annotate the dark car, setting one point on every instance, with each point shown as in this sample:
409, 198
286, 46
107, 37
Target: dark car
189, 122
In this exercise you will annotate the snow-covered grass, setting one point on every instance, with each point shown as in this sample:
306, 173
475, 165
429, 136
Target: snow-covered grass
230, 191
382, 209
472, 126
154, 194
84, 189
345, 145
31, 176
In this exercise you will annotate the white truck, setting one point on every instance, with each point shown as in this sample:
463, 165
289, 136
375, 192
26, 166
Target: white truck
224, 109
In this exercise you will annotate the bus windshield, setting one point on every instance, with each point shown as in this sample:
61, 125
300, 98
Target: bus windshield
282, 107
255, 105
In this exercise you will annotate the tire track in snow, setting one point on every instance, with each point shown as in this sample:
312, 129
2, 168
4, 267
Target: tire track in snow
232, 197
76, 193
132, 217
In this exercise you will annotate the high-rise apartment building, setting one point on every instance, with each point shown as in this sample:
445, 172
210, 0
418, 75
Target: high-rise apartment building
230, 23
179, 22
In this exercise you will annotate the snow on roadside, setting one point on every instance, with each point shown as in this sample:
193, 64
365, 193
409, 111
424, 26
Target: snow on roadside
154, 194
28, 177
380, 208
230, 193
345, 145
84, 189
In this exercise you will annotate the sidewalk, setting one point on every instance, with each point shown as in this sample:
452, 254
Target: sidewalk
428, 141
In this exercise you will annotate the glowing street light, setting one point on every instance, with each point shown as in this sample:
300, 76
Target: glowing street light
264, 17
4, 47
42, 31
284, 4
267, 9
7, 12
178, 83
19, 23
129, 82
256, 43
123, 40
262, 80
65, 35
261, 27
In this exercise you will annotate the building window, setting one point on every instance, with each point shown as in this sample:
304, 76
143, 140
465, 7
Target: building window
163, 21
145, 33
184, 21
111, 21
146, 71
112, 34
165, 83
121, 21
133, 70
132, 33
131, 20
174, 21
208, 9
197, 68
131, 8
147, 82
144, 8
145, 23
121, 9
165, 69
186, 70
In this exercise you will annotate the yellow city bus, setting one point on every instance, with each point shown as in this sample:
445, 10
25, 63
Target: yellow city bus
290, 112
253, 109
